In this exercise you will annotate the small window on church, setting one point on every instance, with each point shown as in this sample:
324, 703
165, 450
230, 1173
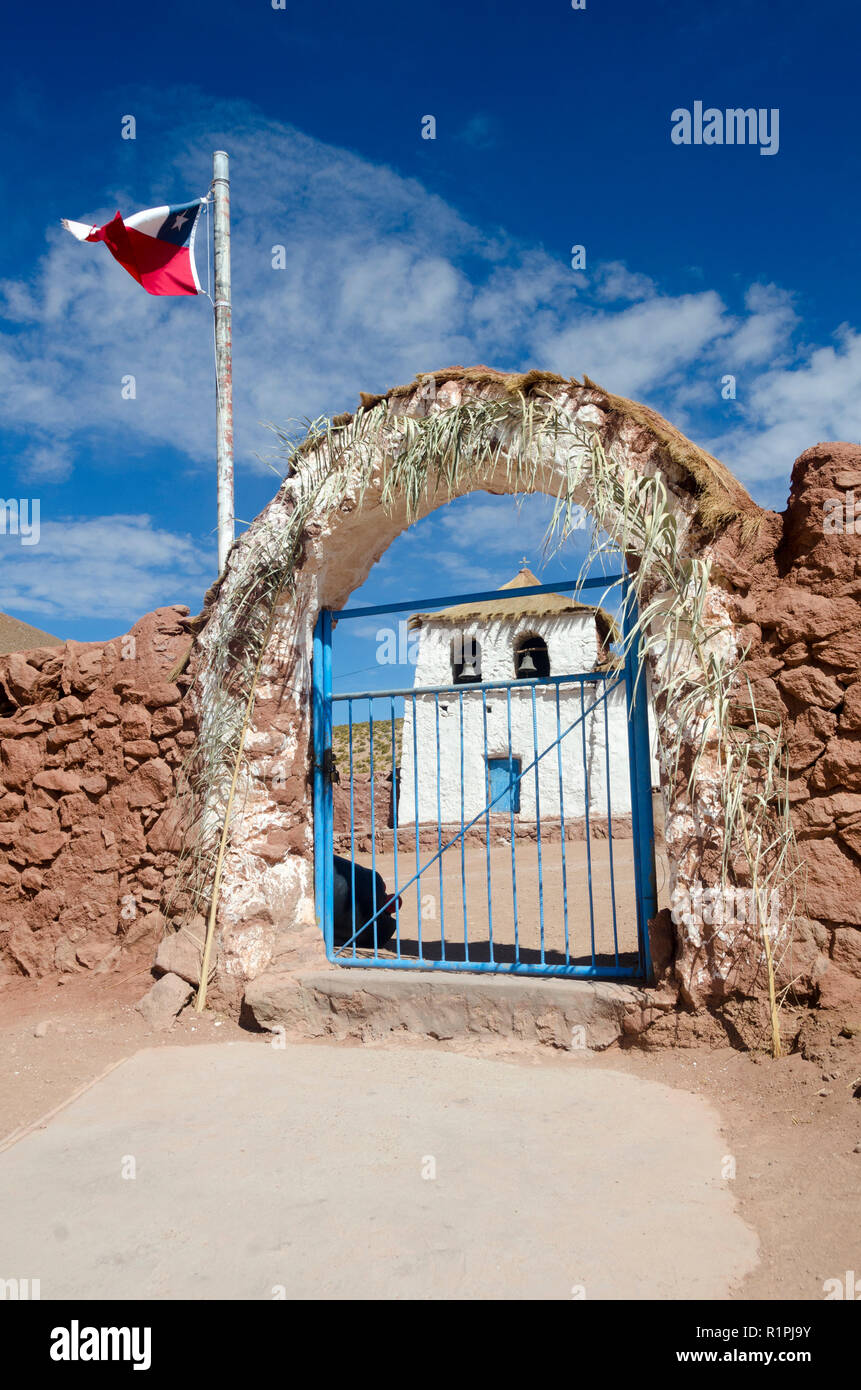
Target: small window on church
531, 659
465, 660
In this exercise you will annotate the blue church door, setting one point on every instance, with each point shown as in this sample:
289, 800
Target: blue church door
503, 784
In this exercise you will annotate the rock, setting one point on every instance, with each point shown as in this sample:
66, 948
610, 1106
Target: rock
799, 615
163, 694
151, 785
846, 950
833, 890
15, 728
181, 952
810, 686
40, 849
64, 956
166, 833
843, 650
135, 723
48, 903
795, 655
851, 836
21, 759
166, 721
87, 669
94, 786
74, 810
109, 962
93, 950
65, 733
57, 781
841, 764
22, 680
839, 991
41, 1028
68, 709
163, 1002
152, 925
140, 749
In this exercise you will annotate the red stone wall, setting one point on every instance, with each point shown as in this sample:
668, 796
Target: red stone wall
798, 590
91, 737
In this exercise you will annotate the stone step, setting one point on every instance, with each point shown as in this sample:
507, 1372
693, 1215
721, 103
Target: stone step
366, 1004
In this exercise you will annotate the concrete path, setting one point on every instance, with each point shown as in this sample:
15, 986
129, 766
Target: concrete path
332, 1172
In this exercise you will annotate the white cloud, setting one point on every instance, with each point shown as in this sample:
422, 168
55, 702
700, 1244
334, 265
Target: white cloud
383, 280
49, 462
787, 409
114, 567
615, 281
765, 333
638, 348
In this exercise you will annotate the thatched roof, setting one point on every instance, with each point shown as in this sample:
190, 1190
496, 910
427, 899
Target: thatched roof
513, 609
16, 636
721, 498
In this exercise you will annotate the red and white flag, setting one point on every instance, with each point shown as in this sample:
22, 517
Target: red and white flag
156, 247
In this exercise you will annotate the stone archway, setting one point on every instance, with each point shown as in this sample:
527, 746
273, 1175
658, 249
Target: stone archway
355, 485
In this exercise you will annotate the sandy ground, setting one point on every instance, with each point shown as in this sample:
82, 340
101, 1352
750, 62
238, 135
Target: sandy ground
791, 1126
581, 883
580, 910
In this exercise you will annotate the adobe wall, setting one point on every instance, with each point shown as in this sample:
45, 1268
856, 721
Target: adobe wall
797, 594
91, 738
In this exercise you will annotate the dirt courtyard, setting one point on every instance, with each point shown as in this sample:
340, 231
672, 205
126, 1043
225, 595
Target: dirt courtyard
792, 1128
483, 907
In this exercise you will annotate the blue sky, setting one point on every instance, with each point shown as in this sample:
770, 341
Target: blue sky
403, 254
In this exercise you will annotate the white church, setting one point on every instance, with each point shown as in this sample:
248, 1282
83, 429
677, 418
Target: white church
464, 750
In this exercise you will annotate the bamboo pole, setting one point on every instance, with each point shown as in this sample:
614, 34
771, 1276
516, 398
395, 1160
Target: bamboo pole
769, 959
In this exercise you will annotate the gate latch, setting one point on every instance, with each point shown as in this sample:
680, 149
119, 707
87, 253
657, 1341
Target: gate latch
328, 766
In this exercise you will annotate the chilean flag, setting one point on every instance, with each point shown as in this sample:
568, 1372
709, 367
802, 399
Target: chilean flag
156, 247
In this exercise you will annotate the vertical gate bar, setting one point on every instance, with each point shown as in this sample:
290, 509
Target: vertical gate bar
511, 827
416, 821
562, 824
352, 832
538, 821
328, 784
439, 831
462, 832
395, 781
487, 823
373, 833
586, 794
317, 716
639, 758
610, 825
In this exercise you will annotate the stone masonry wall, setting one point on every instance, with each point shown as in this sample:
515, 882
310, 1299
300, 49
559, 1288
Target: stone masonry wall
797, 591
91, 736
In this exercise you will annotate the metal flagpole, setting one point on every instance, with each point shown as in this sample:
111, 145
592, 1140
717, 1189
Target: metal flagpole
223, 354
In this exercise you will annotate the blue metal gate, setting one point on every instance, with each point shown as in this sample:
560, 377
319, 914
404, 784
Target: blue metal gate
567, 922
